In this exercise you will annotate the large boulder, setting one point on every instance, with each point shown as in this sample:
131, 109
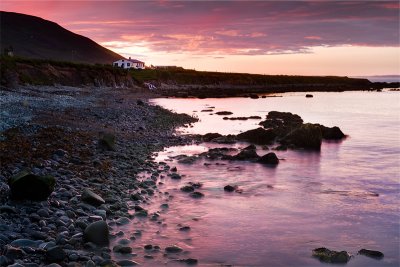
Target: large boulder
91, 198
307, 136
270, 159
97, 233
282, 122
258, 136
26, 185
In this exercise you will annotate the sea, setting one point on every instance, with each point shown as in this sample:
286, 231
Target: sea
345, 197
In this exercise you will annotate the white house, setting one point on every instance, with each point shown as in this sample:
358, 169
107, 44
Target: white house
129, 63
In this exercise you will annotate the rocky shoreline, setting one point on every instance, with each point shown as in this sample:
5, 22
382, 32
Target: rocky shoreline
95, 143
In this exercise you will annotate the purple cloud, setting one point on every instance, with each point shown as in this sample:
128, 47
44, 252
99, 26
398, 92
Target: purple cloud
228, 27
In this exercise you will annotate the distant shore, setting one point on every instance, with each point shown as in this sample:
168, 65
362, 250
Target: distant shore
174, 81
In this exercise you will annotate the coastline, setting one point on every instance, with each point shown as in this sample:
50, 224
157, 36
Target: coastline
56, 131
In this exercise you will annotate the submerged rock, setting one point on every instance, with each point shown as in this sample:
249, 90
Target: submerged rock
26, 185
331, 256
173, 249
187, 188
371, 253
97, 233
196, 194
230, 188
247, 153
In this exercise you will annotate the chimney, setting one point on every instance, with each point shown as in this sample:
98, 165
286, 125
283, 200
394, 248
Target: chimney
129, 58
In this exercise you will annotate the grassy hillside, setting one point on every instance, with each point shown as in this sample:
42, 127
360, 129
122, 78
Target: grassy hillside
182, 76
34, 37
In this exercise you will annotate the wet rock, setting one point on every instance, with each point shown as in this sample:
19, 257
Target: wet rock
164, 206
184, 228
175, 176
331, 133
223, 113
107, 141
258, 136
371, 253
148, 247
189, 261
173, 169
269, 158
173, 249
225, 139
97, 233
91, 198
187, 188
55, 254
254, 96
309, 95
123, 221
331, 256
307, 136
210, 136
122, 249
230, 188
13, 253
196, 194
247, 153
26, 185
26, 243
44, 213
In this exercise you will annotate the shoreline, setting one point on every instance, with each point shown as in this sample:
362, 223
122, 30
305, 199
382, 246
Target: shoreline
63, 141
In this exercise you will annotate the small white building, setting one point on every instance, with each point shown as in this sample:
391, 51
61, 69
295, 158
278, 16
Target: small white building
129, 64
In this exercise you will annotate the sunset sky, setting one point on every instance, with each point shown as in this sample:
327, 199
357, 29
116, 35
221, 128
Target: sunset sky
269, 37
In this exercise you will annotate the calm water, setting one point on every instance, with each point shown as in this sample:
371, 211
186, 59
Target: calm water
310, 200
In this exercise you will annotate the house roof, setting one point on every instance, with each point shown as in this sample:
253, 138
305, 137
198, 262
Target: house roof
130, 60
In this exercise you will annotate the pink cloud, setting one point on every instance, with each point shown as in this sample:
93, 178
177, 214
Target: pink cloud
234, 27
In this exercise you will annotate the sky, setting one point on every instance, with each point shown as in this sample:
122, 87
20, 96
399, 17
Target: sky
318, 37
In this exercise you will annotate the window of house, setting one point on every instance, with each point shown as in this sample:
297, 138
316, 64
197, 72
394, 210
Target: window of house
128, 64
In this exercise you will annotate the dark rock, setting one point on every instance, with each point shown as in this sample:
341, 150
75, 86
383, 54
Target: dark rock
258, 136
248, 153
230, 188
174, 169
107, 141
331, 133
254, 96
148, 247
91, 198
184, 228
122, 249
187, 188
269, 158
127, 263
307, 136
371, 253
26, 185
189, 261
25, 243
97, 233
226, 139
173, 249
331, 256
223, 113
196, 194
13, 253
7, 209
210, 136
140, 102
282, 122
175, 176
55, 254
309, 95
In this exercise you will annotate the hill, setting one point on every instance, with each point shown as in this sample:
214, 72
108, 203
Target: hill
34, 37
